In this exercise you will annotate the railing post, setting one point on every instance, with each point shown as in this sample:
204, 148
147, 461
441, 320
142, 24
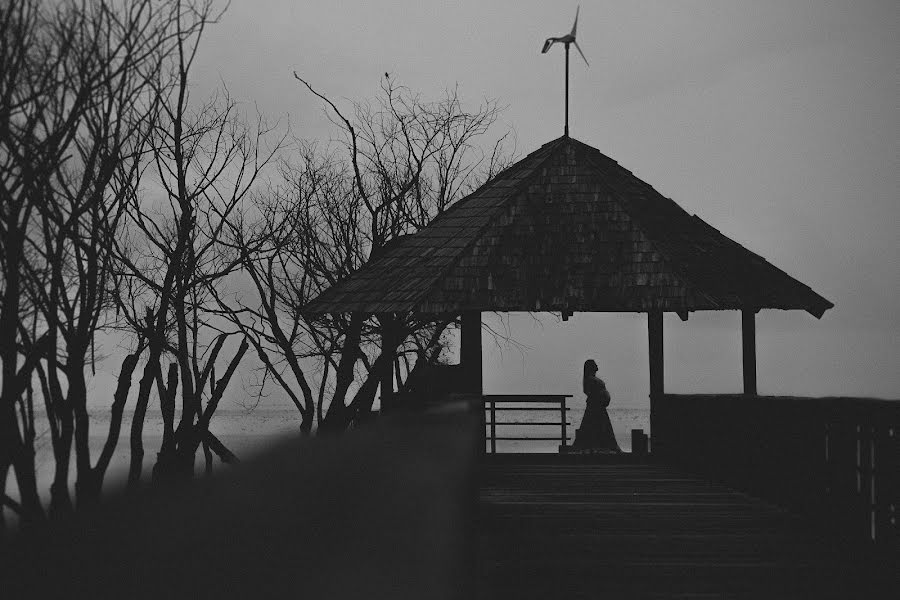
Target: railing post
478, 402
493, 426
562, 421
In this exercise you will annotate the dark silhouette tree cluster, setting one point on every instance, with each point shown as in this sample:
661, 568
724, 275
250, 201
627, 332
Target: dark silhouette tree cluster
196, 233
399, 161
76, 110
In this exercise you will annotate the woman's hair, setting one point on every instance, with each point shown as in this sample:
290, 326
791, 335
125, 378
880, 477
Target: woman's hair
590, 367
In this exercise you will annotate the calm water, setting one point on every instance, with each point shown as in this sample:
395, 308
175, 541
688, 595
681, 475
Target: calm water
248, 433
244, 433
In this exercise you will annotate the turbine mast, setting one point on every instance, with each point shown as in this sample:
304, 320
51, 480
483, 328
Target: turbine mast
566, 40
566, 130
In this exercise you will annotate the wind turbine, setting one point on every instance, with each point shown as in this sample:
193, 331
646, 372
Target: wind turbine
567, 40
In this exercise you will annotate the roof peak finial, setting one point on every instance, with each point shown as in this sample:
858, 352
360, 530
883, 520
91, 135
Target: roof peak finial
567, 40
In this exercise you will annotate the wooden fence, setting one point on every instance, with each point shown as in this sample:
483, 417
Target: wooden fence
836, 459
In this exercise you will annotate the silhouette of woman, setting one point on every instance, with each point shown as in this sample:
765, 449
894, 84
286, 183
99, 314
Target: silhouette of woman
596, 431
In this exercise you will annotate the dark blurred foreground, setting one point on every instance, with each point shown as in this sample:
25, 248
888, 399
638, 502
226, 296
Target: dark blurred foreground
381, 512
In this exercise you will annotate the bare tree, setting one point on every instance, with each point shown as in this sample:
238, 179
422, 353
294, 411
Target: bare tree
205, 159
125, 205
401, 161
75, 108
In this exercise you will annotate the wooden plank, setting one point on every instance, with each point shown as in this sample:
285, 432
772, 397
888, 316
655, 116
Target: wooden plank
557, 423
567, 530
556, 437
546, 398
531, 408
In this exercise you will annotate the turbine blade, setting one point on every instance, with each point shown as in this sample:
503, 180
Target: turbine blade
575, 25
577, 47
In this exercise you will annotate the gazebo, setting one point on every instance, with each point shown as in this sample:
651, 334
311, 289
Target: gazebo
567, 229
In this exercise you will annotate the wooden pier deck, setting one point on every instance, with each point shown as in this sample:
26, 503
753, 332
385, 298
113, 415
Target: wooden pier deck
555, 529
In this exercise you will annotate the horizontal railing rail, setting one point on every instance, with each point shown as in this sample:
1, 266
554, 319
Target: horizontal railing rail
835, 459
497, 402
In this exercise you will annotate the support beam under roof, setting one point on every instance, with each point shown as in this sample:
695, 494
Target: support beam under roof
655, 346
470, 351
748, 345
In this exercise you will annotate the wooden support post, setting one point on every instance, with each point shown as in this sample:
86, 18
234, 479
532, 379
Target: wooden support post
388, 344
470, 351
657, 379
655, 339
748, 339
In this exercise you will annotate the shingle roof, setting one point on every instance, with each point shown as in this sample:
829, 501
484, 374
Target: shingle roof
566, 229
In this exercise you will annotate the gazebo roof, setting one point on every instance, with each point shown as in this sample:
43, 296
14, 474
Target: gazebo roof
566, 229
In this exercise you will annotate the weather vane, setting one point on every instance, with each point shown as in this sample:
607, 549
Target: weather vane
567, 40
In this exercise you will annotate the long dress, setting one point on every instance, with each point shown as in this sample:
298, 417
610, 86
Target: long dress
596, 432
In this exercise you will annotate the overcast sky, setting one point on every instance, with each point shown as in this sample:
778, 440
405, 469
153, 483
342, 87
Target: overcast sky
775, 121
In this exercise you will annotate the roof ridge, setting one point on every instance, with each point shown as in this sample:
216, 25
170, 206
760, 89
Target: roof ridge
384, 252
493, 180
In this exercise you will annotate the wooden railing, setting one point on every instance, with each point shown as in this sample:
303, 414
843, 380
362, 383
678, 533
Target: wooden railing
835, 459
543, 403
